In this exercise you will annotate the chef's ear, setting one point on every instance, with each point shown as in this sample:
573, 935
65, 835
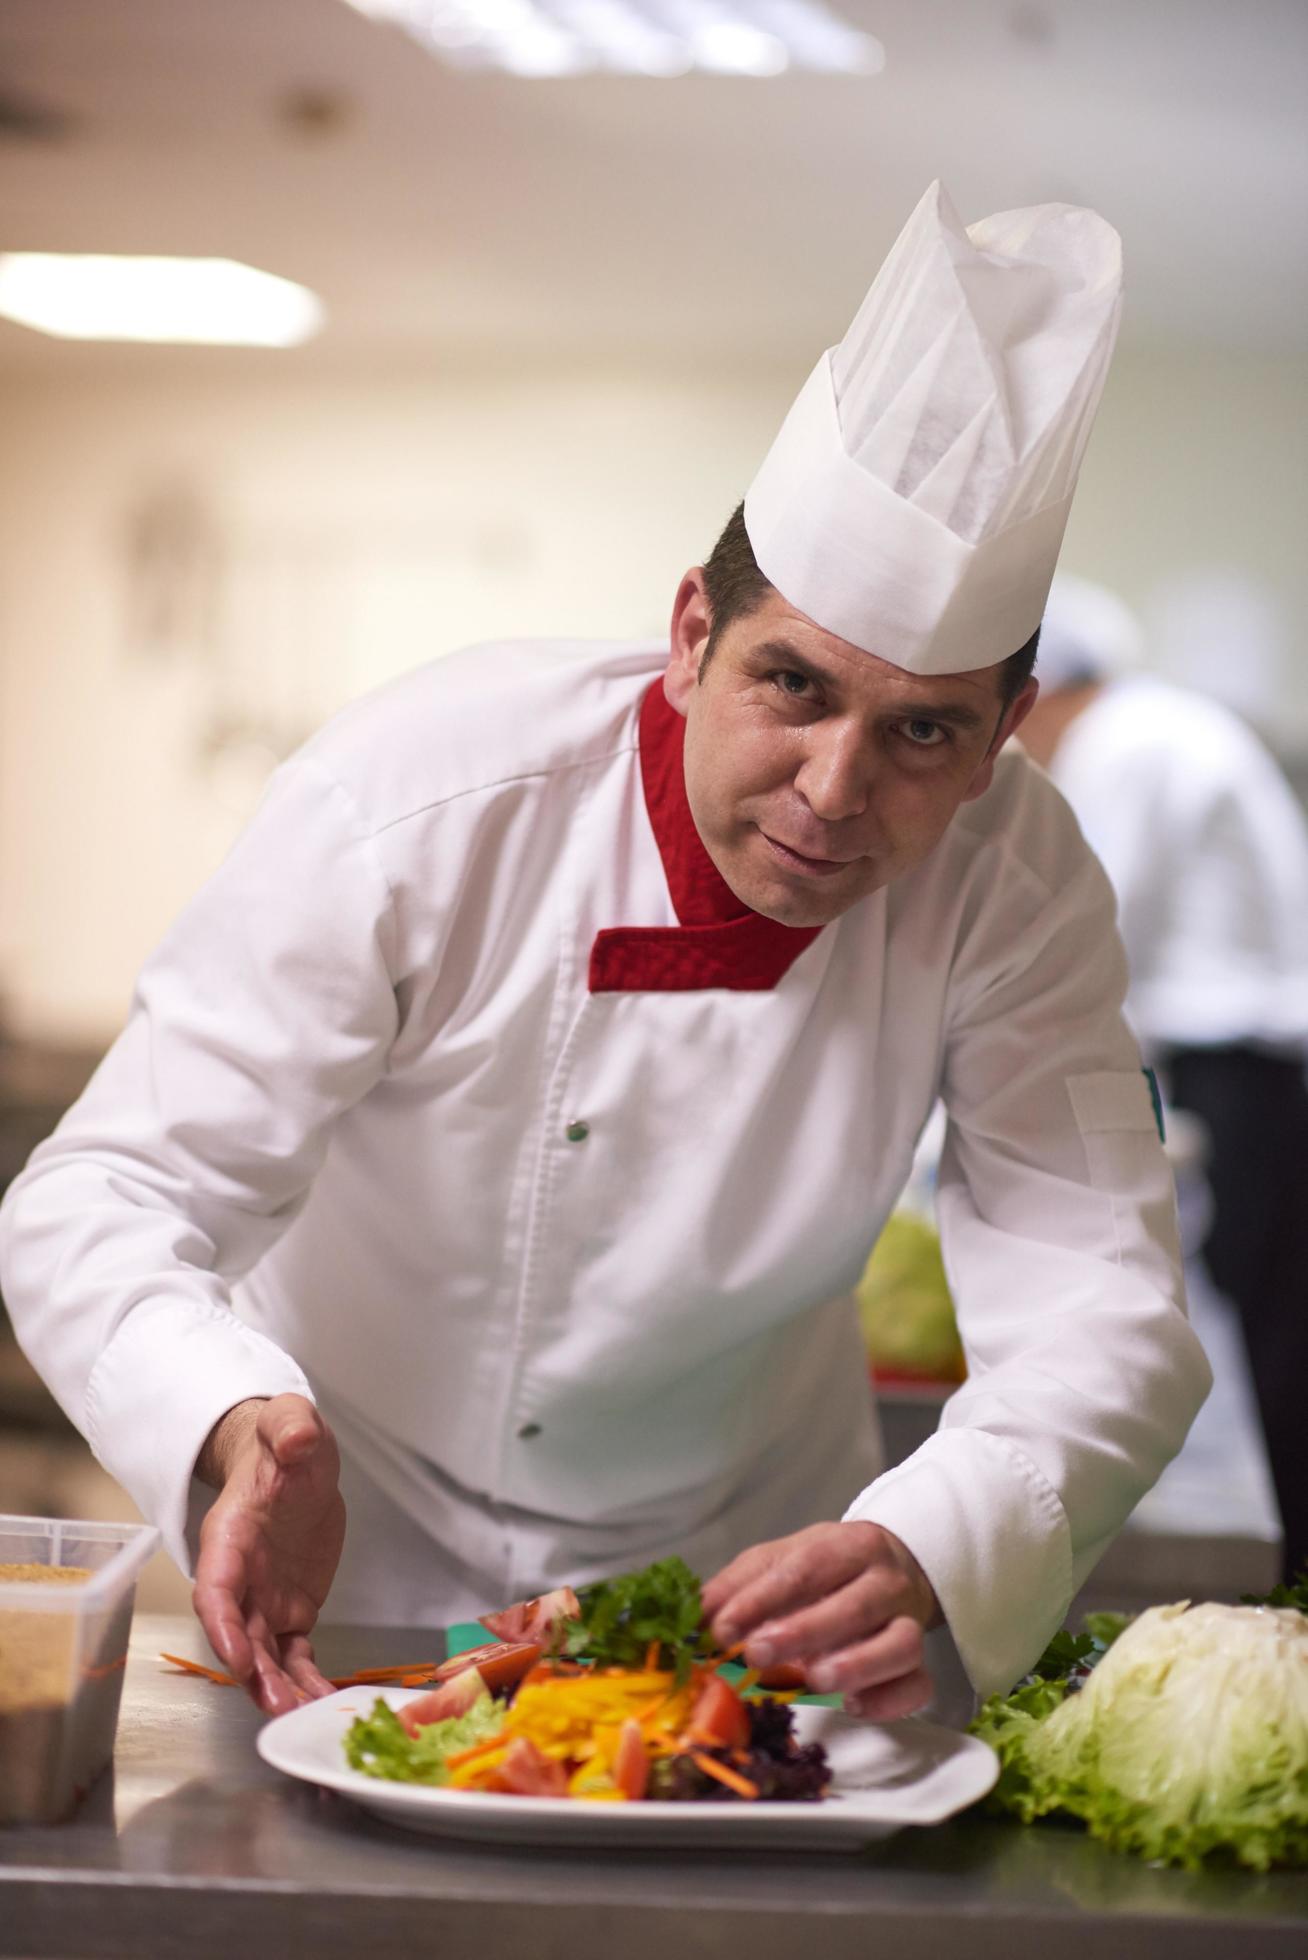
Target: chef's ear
1009, 722
690, 635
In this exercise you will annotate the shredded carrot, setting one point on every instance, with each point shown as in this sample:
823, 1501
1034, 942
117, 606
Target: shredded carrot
194, 1667
407, 1674
652, 1656
733, 1652
733, 1780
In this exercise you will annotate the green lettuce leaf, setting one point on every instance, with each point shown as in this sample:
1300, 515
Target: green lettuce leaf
1007, 1723
380, 1745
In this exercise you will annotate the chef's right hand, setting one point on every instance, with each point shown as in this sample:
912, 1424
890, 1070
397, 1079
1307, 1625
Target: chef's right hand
269, 1546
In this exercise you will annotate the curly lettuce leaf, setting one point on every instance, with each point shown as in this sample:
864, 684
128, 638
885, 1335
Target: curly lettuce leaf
1007, 1723
380, 1745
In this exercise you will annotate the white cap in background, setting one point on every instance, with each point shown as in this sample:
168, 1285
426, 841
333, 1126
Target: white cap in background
1089, 634
915, 498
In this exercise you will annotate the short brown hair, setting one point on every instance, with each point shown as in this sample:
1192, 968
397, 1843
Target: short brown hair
735, 586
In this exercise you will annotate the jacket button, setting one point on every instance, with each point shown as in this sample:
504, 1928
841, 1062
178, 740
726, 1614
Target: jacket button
528, 1430
577, 1132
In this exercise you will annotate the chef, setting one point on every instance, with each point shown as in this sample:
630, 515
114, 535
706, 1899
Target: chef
472, 1201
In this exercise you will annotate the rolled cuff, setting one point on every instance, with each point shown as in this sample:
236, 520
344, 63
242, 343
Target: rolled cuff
993, 1539
171, 1371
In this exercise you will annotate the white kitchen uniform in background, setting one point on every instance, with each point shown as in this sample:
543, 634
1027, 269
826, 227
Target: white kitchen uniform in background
557, 1262
1207, 851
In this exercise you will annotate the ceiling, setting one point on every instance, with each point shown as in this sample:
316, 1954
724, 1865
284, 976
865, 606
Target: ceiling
443, 213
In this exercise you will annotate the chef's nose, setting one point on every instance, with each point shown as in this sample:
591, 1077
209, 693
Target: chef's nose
835, 777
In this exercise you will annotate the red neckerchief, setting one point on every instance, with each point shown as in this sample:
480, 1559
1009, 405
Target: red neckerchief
719, 942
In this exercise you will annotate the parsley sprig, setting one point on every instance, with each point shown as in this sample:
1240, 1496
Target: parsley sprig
1071, 1656
1293, 1594
621, 1618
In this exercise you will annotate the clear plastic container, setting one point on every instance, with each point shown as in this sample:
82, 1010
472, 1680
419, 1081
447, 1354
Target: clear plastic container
63, 1648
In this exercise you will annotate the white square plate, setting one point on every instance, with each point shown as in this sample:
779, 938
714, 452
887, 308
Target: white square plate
883, 1777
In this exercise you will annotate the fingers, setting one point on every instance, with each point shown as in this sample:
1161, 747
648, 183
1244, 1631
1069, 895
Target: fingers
850, 1613
889, 1655
845, 1600
789, 1574
299, 1664
734, 1578
270, 1687
278, 1674
223, 1622
220, 1578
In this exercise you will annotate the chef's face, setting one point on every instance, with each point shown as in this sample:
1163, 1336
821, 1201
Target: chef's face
817, 773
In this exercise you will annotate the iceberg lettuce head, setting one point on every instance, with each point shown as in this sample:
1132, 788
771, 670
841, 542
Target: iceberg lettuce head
1189, 1738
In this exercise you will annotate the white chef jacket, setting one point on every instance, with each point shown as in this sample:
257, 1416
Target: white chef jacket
1207, 851
558, 1263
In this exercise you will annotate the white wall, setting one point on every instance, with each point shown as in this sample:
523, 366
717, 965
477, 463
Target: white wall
200, 561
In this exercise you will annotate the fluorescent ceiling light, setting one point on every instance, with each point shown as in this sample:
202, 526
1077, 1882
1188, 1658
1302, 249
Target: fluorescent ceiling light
635, 37
214, 302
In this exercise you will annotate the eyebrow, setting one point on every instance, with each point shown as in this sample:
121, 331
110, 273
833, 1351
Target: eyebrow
954, 714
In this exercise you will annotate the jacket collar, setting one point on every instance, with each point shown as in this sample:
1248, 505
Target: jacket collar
719, 941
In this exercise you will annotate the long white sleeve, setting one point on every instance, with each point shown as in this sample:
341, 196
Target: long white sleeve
1057, 1219
267, 1010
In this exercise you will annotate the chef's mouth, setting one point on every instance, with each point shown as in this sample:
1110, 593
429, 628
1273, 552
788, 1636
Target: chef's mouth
796, 860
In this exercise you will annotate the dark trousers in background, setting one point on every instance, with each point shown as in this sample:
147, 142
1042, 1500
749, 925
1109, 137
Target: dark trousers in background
1255, 1109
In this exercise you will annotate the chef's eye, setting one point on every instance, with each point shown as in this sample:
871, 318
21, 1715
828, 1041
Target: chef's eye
792, 682
923, 734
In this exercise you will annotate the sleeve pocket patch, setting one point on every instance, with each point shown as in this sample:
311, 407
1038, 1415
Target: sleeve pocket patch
1115, 1114
1111, 1101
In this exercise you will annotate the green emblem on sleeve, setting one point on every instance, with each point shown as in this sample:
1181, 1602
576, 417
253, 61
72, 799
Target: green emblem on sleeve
1155, 1097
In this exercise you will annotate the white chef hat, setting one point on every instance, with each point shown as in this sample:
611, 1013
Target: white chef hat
1088, 634
915, 498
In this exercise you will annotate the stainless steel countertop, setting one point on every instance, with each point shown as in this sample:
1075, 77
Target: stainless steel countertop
192, 1847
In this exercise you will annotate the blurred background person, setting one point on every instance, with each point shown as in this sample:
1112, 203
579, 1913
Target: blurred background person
1207, 849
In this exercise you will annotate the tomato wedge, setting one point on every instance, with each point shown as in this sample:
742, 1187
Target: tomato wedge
473, 1657
720, 1714
505, 1665
500, 1664
535, 1619
526, 1772
631, 1764
451, 1698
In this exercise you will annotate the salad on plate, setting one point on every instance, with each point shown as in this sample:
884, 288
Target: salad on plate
610, 1695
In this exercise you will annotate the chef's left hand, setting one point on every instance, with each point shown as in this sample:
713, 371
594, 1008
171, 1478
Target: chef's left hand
848, 1601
